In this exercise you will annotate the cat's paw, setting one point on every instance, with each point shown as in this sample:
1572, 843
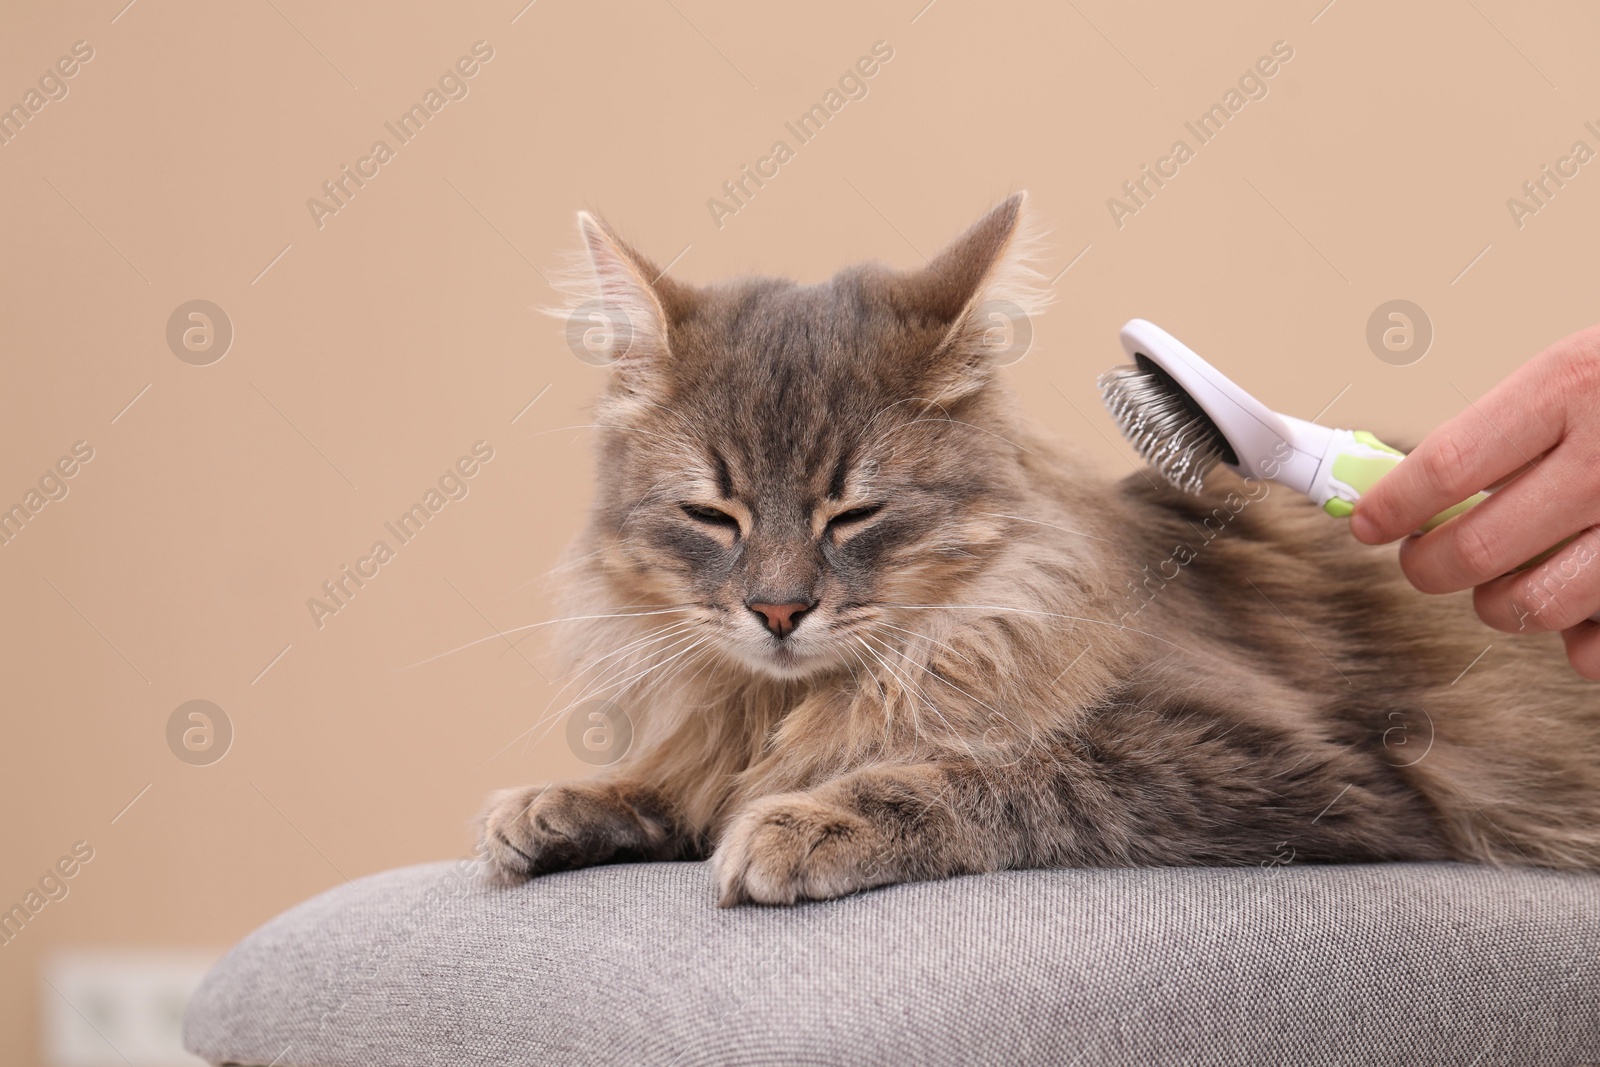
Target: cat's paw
535, 830
794, 846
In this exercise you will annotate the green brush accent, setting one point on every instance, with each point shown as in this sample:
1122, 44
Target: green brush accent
1451, 512
1371, 441
1361, 473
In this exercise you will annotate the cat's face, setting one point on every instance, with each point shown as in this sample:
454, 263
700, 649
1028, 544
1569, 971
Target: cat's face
794, 468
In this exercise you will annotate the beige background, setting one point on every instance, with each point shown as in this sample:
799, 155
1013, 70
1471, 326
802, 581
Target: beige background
375, 350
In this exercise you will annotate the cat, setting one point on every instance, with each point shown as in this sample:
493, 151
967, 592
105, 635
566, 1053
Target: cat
871, 627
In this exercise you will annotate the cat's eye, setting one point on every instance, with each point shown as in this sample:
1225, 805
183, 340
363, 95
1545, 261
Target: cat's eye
709, 515
854, 515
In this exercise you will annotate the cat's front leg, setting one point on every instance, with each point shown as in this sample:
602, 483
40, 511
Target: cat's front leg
873, 827
535, 830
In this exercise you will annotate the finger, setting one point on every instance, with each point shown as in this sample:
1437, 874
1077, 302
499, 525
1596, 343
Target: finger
1583, 649
1557, 594
1548, 504
1517, 420
1501, 483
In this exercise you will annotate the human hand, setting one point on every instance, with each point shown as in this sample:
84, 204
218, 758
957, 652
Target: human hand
1539, 432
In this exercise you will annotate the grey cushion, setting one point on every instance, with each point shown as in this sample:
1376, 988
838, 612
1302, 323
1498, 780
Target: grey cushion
1401, 964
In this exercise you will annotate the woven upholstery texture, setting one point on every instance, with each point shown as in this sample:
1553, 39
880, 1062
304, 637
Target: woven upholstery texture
1382, 964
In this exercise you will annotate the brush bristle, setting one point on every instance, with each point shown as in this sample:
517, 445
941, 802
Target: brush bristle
1164, 425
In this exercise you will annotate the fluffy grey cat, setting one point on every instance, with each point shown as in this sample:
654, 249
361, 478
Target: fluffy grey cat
872, 627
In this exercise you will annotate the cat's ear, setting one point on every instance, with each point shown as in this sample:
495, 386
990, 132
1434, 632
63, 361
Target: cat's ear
983, 291
618, 305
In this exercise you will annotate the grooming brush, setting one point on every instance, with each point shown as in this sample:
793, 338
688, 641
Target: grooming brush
1184, 417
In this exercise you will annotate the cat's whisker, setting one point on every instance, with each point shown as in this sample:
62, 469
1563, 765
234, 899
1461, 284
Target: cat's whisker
608, 679
883, 697
623, 658
927, 401
661, 675
537, 625
953, 731
906, 686
690, 431
671, 645
559, 568
916, 727
909, 683
946, 681
626, 684
1032, 611
590, 692
619, 657
622, 615
676, 674
649, 494
969, 425
599, 426
705, 665
656, 631
922, 636
639, 643
1041, 522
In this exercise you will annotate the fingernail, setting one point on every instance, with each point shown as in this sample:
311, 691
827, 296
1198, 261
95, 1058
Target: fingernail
1364, 528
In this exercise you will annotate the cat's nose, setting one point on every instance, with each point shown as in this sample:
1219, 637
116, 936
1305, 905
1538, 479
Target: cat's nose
780, 619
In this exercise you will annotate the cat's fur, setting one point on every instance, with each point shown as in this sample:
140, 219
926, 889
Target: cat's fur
1015, 662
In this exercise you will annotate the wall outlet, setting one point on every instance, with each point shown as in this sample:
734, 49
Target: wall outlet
119, 1008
